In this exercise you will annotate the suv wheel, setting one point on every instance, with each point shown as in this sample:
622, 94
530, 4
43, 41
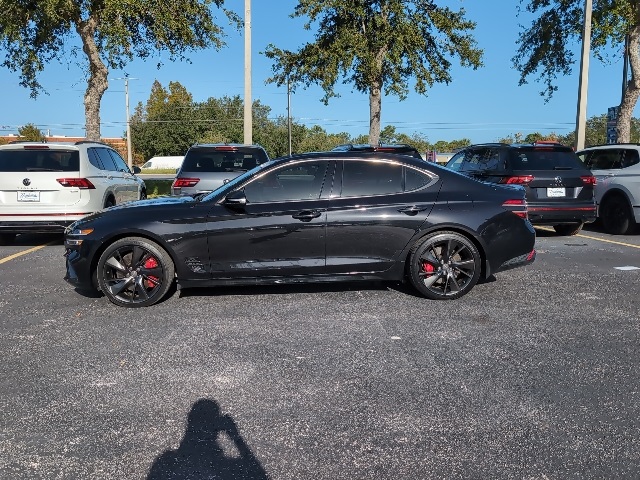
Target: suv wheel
615, 216
568, 229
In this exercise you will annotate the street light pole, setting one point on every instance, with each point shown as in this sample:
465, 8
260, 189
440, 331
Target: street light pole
126, 102
581, 115
248, 114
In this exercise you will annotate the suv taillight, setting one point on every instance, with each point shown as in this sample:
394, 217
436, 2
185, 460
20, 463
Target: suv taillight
517, 206
518, 180
184, 182
589, 180
76, 182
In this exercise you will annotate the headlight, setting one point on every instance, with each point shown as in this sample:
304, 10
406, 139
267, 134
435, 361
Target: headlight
76, 232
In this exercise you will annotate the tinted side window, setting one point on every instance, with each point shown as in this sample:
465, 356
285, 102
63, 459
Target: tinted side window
365, 178
106, 160
302, 181
480, 160
94, 159
118, 160
414, 179
630, 158
455, 163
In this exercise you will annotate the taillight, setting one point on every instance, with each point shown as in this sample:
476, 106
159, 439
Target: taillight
76, 182
589, 180
518, 180
184, 182
517, 206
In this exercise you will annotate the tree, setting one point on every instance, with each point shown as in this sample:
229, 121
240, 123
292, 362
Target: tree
376, 45
545, 47
30, 133
112, 33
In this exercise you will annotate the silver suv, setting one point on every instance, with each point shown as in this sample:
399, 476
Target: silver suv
617, 192
46, 186
207, 166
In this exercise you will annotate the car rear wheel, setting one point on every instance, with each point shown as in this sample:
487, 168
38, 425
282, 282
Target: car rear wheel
444, 265
135, 272
143, 194
109, 202
616, 216
568, 229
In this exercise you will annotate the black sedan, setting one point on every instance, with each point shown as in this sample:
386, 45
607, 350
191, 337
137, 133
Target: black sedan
318, 217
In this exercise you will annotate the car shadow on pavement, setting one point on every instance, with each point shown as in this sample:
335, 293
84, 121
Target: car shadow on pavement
37, 239
212, 447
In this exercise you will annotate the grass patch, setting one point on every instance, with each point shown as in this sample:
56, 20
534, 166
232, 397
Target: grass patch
158, 188
159, 171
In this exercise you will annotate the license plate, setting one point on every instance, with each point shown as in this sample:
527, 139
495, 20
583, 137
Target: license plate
29, 196
556, 192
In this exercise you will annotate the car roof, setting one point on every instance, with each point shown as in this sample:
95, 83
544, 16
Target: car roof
353, 154
545, 145
610, 145
44, 145
228, 145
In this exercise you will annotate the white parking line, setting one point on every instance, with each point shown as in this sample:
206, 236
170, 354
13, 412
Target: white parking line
24, 252
596, 238
627, 268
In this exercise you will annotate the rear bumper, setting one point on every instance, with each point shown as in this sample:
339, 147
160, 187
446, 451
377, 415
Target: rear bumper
550, 214
519, 261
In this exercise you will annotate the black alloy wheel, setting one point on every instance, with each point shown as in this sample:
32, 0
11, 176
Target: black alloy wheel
568, 229
135, 272
444, 265
616, 216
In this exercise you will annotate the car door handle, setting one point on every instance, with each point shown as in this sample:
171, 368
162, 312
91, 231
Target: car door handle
306, 215
412, 210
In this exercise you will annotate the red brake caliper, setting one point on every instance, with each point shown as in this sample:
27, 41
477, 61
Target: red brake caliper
427, 267
151, 281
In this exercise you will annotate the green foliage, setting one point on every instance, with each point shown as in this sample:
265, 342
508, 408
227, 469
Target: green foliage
545, 48
376, 45
158, 188
30, 133
112, 33
452, 146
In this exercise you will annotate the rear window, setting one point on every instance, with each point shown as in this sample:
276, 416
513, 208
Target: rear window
544, 159
214, 160
39, 161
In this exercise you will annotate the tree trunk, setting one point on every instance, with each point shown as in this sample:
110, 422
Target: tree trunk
375, 108
97, 84
632, 91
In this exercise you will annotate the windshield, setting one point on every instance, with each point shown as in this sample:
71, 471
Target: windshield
231, 185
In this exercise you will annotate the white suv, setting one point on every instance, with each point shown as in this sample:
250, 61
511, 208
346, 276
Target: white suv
46, 186
617, 192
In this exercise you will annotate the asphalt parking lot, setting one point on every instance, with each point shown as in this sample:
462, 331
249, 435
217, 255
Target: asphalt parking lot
531, 376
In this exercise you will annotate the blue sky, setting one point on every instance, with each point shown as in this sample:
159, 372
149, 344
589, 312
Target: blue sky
481, 105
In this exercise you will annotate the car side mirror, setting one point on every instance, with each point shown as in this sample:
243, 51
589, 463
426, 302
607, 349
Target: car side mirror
236, 199
136, 170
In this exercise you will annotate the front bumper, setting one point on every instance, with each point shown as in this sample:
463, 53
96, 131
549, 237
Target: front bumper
42, 226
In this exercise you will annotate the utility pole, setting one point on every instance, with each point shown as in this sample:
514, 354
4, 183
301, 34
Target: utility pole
126, 103
289, 114
248, 114
581, 115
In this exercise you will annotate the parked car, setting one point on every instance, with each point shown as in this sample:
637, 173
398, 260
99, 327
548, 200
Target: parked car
46, 186
560, 189
617, 169
207, 166
399, 148
320, 217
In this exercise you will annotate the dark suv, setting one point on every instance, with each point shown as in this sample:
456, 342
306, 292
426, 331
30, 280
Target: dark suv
559, 188
399, 148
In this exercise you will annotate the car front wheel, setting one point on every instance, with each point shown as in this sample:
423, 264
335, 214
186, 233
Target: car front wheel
135, 272
444, 265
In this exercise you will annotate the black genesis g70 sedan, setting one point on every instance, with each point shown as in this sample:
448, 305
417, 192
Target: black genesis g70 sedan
315, 217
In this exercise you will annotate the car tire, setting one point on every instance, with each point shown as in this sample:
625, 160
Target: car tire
143, 194
109, 202
444, 265
7, 238
135, 272
616, 216
568, 229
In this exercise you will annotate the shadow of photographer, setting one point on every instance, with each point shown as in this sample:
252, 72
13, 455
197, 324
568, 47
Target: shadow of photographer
212, 448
